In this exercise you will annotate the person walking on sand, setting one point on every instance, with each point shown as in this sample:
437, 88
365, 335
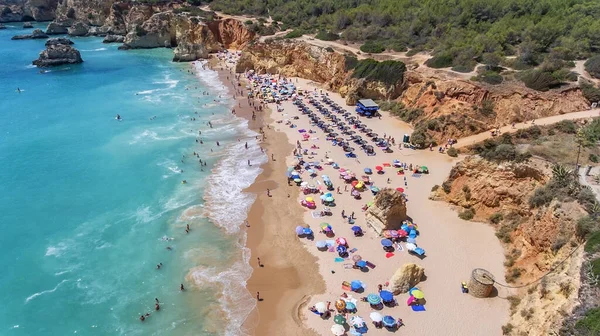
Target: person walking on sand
343, 214
187, 227
269, 192
259, 264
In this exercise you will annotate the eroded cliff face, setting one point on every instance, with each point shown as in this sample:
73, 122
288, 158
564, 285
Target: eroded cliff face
535, 240
27, 10
456, 104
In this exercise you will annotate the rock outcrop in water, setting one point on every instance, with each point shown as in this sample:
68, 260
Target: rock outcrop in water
58, 54
27, 10
27, 25
58, 40
2, 26
55, 28
79, 28
388, 210
36, 34
113, 39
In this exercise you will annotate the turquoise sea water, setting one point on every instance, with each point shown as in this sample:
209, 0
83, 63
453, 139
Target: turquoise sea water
87, 203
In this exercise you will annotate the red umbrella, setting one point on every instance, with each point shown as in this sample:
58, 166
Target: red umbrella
402, 233
400, 189
354, 183
378, 168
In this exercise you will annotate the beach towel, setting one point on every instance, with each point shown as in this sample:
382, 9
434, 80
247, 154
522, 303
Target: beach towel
418, 308
353, 250
338, 259
416, 175
348, 266
371, 265
346, 286
316, 214
331, 249
386, 164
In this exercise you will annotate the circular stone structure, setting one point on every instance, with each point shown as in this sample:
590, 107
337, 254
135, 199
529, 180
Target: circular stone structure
481, 283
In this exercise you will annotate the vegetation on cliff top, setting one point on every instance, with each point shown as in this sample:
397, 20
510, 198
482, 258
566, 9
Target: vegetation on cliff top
457, 31
388, 72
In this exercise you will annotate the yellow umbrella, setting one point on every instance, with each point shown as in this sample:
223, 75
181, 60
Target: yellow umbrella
310, 199
359, 185
340, 304
418, 294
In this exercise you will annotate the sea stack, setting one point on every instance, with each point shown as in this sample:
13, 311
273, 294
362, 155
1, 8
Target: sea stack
36, 34
58, 54
27, 25
58, 40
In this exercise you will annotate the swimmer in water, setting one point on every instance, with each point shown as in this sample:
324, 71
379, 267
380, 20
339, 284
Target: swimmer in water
18, 90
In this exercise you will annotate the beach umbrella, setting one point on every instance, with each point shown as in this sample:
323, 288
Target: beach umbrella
378, 168
375, 316
357, 321
402, 233
389, 321
356, 258
411, 240
400, 189
329, 199
299, 230
341, 249
355, 192
320, 243
340, 304
297, 180
359, 185
361, 263
356, 228
304, 184
354, 183
412, 234
310, 199
374, 189
307, 231
341, 241
368, 170
386, 296
386, 242
373, 299
321, 307
411, 246
324, 225
350, 306
339, 319
338, 329
417, 294
356, 285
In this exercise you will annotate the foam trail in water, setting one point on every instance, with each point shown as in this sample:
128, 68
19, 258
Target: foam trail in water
33, 296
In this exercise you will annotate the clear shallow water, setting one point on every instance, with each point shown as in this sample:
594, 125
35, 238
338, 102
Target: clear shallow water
85, 200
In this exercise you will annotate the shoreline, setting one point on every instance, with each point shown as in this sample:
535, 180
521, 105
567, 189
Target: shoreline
282, 282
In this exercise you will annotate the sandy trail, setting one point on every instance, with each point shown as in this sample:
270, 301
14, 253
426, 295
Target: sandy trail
473, 139
454, 247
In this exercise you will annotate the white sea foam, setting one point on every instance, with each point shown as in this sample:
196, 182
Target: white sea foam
236, 301
33, 296
56, 251
211, 79
97, 49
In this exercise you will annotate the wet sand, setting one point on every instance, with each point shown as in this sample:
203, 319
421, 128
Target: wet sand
289, 273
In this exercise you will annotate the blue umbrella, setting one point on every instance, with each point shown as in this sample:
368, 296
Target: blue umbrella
321, 243
341, 249
386, 296
307, 231
299, 230
411, 240
386, 242
389, 321
361, 263
350, 306
356, 285
373, 299
356, 228
413, 234
368, 170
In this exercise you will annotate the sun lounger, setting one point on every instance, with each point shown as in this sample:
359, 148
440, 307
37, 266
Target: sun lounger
371, 265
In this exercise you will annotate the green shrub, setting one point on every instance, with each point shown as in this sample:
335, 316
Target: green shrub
453, 152
371, 47
412, 52
248, 22
489, 77
566, 126
464, 68
590, 92
507, 329
447, 187
592, 66
590, 323
294, 34
533, 132
592, 245
593, 158
350, 62
541, 196
595, 267
587, 199
388, 72
441, 61
487, 108
467, 214
327, 36
585, 226
496, 217
539, 80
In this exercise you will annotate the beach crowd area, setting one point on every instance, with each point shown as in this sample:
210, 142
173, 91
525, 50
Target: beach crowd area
319, 268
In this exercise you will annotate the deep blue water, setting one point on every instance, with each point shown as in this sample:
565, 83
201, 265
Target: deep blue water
86, 201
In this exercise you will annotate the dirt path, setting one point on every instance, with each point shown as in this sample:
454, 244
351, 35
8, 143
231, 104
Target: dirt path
473, 139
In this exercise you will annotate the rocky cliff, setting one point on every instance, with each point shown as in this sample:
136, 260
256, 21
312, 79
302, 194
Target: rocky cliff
535, 240
27, 10
388, 211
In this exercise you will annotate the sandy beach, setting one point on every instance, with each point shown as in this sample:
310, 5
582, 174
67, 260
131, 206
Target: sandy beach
295, 275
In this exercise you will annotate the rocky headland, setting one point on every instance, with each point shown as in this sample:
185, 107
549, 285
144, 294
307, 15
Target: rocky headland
27, 10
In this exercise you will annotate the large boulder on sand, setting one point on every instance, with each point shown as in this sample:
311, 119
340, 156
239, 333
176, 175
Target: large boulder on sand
79, 29
388, 210
58, 54
405, 278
